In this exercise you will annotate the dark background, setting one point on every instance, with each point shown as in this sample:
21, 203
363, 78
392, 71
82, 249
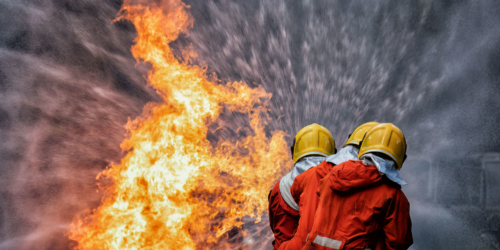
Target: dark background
68, 83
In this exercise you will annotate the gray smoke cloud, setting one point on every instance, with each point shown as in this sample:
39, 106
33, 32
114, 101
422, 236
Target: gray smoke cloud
68, 84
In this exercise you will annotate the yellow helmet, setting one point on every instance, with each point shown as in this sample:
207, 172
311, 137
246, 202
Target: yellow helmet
387, 139
313, 139
357, 135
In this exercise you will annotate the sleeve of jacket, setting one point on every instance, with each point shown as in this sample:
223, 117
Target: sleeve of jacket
283, 220
270, 199
397, 224
294, 244
297, 188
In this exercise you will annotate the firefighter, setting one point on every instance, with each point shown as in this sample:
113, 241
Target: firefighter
305, 185
361, 201
310, 147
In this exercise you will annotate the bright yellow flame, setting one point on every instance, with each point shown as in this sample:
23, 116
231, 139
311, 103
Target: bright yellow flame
174, 189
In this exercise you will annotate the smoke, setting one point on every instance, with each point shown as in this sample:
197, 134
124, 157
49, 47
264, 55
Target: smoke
426, 66
68, 84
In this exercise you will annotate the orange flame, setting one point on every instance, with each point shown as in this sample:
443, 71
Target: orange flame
175, 189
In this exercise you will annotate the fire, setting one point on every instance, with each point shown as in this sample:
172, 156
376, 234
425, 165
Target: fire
175, 189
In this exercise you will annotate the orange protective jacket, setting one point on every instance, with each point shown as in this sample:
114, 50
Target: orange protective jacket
356, 207
304, 193
282, 218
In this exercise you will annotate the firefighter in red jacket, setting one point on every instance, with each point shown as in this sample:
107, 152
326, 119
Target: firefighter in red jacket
361, 201
305, 186
310, 147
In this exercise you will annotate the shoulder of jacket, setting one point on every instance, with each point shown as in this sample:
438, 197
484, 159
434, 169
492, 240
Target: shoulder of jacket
398, 197
401, 195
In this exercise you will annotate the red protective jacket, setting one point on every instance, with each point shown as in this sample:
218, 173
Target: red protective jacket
282, 218
357, 205
304, 193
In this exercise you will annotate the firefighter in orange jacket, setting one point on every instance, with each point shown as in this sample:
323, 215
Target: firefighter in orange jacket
361, 201
310, 147
305, 185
